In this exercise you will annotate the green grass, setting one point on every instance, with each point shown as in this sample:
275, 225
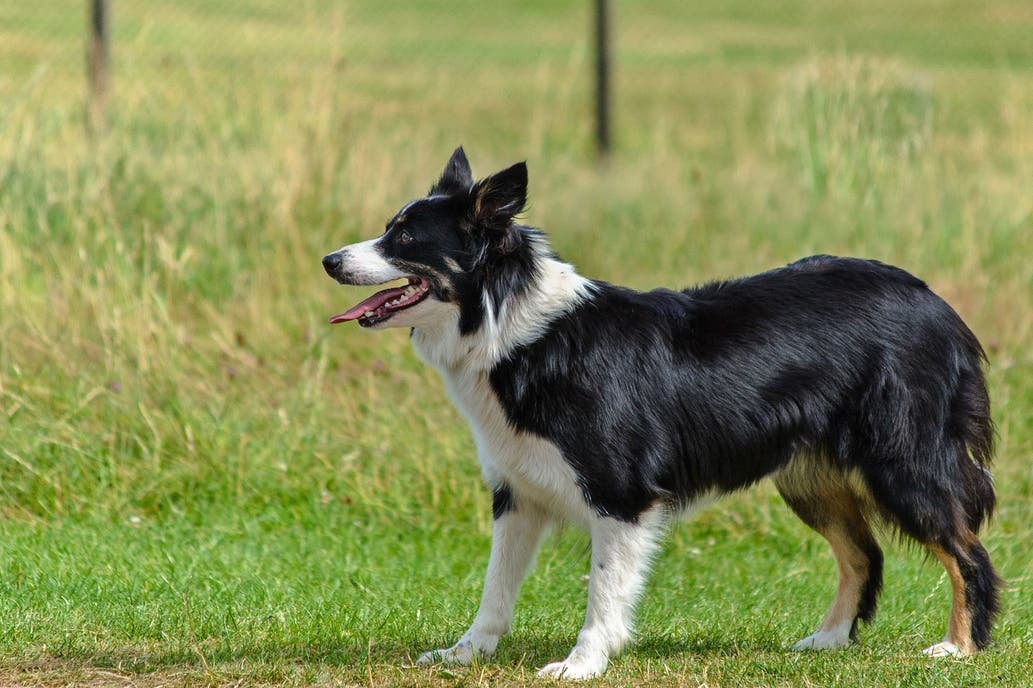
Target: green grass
201, 483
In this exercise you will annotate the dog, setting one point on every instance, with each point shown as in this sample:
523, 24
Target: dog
848, 382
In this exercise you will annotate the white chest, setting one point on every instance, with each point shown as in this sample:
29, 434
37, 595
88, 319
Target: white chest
531, 466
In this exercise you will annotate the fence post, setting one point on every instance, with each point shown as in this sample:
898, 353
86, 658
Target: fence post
602, 76
97, 56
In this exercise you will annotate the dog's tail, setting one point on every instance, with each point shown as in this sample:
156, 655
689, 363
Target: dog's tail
970, 416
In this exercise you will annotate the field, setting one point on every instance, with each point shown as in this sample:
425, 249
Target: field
202, 483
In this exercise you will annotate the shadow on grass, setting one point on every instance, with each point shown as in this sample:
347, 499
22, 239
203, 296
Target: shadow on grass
706, 646
274, 659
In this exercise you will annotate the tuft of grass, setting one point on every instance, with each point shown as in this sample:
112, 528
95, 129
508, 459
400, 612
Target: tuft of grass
853, 122
201, 483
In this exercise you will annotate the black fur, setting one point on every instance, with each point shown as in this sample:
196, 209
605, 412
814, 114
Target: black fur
501, 500
870, 589
717, 387
981, 586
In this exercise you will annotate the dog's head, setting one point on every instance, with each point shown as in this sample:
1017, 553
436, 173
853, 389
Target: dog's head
457, 249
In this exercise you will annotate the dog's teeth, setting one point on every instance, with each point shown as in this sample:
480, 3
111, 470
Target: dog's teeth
368, 313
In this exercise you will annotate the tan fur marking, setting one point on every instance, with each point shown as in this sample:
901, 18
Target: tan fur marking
833, 503
959, 626
853, 566
481, 193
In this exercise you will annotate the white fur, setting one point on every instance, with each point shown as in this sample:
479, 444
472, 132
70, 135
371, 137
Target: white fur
944, 648
367, 265
826, 640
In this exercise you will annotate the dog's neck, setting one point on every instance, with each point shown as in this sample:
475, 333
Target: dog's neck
521, 319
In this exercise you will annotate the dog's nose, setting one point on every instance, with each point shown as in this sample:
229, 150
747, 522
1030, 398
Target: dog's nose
332, 263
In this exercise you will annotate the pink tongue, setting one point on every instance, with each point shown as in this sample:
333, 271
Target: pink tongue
371, 304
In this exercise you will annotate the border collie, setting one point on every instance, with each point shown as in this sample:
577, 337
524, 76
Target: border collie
848, 382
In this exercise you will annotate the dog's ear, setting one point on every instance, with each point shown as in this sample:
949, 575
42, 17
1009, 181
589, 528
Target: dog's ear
457, 175
500, 197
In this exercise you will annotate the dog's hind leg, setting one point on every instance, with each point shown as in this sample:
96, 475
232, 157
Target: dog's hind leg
823, 499
942, 513
516, 535
974, 582
943, 523
923, 439
974, 597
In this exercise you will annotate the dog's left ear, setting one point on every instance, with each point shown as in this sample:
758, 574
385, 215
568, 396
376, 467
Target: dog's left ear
500, 197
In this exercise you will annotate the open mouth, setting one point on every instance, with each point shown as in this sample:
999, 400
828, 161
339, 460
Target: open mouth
384, 304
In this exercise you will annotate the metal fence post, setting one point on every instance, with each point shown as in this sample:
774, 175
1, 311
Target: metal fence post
602, 76
97, 56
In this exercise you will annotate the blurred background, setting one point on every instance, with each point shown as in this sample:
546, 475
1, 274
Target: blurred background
164, 352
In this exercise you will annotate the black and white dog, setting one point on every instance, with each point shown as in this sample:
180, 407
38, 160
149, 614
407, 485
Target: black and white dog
858, 390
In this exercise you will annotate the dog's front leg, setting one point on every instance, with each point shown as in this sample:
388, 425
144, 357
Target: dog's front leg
516, 534
621, 554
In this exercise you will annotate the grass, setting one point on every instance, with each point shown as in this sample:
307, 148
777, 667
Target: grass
203, 484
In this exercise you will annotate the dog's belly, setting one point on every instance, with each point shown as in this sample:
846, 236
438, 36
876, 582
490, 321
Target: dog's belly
531, 466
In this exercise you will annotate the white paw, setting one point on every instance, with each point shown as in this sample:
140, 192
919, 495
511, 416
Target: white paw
461, 653
575, 668
943, 649
823, 640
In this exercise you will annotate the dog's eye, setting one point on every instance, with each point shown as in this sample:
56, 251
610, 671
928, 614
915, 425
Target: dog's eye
404, 237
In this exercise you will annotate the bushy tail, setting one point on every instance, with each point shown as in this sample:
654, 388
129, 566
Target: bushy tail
970, 414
